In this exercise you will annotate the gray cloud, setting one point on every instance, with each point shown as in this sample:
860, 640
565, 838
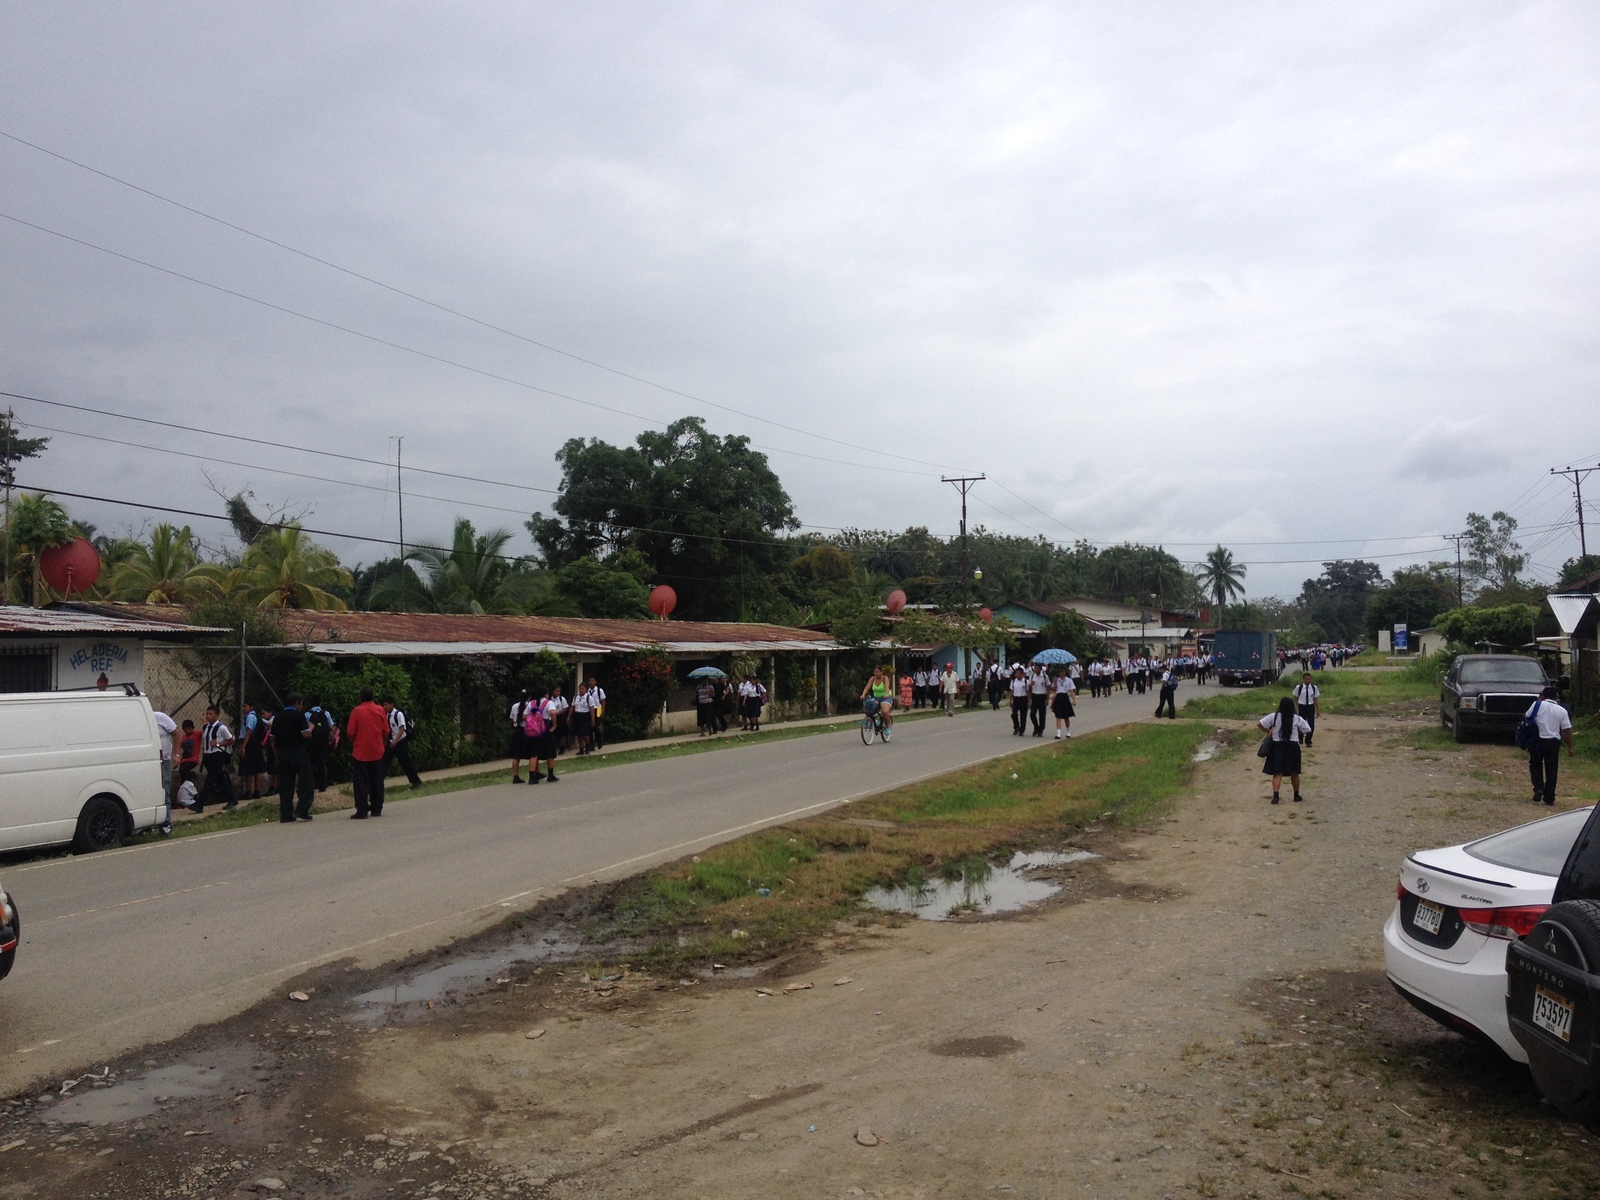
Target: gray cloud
1166, 272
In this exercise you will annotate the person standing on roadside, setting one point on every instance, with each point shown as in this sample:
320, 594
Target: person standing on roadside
1019, 702
705, 708
216, 752
252, 752
322, 742
400, 743
544, 741
367, 727
1305, 699
519, 735
1038, 698
291, 735
949, 688
1544, 756
905, 690
1284, 729
1061, 705
169, 750
597, 713
1169, 691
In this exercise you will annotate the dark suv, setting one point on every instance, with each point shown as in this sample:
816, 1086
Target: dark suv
1489, 693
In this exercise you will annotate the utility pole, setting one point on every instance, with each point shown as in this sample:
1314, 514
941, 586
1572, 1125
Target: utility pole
400, 497
1457, 538
963, 484
1577, 474
5, 465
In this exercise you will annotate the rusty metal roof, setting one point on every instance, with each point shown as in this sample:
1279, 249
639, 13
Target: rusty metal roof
18, 621
409, 634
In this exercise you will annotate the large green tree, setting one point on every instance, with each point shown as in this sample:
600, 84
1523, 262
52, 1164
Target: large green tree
704, 511
1336, 601
1415, 597
1494, 556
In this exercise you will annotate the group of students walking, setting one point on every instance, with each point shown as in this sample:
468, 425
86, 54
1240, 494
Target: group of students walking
546, 725
713, 697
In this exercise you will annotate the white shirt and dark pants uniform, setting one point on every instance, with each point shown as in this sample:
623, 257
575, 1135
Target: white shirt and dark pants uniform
1038, 699
1305, 699
1167, 699
400, 748
1544, 757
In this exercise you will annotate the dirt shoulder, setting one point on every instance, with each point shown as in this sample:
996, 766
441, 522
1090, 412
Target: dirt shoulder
1201, 1012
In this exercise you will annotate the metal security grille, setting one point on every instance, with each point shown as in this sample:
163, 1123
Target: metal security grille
27, 670
1505, 704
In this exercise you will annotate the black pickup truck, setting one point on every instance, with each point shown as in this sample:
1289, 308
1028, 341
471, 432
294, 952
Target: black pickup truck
1488, 693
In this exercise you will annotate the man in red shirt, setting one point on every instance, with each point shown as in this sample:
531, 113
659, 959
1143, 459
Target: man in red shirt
368, 731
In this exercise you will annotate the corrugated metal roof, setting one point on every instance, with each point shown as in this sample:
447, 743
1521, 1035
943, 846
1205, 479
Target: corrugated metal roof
524, 635
1575, 614
17, 621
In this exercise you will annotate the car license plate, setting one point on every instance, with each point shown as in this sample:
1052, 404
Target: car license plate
1428, 917
1552, 1013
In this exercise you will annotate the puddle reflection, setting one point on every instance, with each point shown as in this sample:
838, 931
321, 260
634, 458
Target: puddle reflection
980, 888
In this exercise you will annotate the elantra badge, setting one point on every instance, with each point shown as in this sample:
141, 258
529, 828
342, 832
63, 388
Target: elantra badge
1422, 885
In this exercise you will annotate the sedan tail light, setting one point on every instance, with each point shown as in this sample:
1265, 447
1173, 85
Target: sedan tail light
1508, 923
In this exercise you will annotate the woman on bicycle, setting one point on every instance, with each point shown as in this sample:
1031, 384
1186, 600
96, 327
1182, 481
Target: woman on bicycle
879, 695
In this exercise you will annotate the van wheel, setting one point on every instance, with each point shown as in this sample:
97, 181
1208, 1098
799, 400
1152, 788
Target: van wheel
100, 826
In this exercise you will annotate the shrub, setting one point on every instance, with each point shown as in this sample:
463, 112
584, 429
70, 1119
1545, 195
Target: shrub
1508, 625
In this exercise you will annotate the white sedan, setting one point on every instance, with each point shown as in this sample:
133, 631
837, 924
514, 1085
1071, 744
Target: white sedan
1458, 908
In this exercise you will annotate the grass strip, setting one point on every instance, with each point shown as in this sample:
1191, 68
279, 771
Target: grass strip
1343, 692
817, 869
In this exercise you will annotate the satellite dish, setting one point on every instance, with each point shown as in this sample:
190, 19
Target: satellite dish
663, 600
70, 568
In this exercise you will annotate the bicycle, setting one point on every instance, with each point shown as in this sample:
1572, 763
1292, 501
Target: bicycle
873, 725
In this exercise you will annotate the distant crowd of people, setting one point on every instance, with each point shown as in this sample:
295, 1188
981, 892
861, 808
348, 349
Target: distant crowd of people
546, 725
1315, 658
715, 698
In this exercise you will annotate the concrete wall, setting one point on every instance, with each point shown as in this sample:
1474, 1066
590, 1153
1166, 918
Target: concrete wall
79, 662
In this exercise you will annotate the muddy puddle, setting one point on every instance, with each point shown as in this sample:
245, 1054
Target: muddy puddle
142, 1094
981, 888
453, 980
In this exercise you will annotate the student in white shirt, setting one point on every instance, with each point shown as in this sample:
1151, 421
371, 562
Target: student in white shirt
1062, 704
1284, 729
1038, 698
950, 686
169, 747
1544, 756
399, 743
216, 751
597, 712
1019, 702
1169, 690
1305, 698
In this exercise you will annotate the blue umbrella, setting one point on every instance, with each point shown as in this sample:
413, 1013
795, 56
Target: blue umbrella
707, 673
1054, 658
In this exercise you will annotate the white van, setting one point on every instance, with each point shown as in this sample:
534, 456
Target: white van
79, 767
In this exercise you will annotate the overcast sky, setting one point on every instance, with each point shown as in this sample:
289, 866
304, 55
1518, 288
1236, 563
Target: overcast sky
1256, 273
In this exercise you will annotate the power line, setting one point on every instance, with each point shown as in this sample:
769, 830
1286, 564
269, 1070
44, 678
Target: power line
372, 462
455, 312
424, 354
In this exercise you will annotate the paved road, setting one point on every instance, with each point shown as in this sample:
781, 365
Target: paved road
131, 947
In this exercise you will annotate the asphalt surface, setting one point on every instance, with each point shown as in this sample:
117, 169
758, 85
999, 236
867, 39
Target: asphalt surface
135, 946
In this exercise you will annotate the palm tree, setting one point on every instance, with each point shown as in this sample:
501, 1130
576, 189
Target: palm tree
37, 524
1222, 577
165, 570
283, 568
474, 576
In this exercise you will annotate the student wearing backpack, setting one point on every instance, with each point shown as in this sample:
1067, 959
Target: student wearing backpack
520, 749
541, 732
400, 743
324, 737
1552, 725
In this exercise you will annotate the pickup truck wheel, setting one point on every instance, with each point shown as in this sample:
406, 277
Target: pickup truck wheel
101, 825
1459, 731
1560, 959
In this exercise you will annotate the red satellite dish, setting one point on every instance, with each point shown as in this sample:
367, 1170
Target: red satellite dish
70, 568
986, 613
663, 600
895, 601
